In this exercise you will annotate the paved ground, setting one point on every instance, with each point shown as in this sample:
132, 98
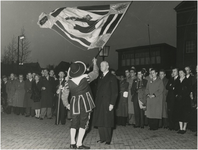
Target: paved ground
19, 132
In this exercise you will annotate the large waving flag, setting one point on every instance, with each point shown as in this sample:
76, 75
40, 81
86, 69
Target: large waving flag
86, 27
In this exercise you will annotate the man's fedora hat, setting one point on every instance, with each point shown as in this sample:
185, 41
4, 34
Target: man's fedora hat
77, 69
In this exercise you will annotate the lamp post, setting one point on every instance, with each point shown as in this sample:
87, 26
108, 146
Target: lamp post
104, 52
20, 37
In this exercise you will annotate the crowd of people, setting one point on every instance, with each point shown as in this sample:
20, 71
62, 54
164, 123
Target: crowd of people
130, 98
157, 101
35, 95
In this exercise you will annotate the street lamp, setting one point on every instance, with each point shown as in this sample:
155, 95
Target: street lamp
104, 52
20, 37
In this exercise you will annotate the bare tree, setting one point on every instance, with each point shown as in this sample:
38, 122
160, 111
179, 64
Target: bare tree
10, 53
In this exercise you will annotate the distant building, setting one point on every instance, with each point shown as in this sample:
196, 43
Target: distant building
62, 66
157, 55
186, 33
7, 69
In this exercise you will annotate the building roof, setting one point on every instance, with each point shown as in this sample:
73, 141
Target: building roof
145, 47
186, 5
62, 66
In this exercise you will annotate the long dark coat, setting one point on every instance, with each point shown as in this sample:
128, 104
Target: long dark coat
170, 99
36, 95
135, 91
182, 101
164, 103
10, 90
28, 92
19, 94
47, 95
194, 89
107, 92
122, 107
3, 94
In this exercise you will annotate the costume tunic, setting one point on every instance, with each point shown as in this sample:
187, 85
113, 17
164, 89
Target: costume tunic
81, 103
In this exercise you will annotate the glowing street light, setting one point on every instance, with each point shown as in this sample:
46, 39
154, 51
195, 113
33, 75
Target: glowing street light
20, 37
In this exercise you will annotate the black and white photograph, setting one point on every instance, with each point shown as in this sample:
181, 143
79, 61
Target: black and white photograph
98, 74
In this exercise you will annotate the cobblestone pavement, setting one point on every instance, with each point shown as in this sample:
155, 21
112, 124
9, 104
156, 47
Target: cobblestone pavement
19, 132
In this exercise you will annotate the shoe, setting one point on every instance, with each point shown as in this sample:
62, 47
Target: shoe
180, 131
136, 126
107, 143
99, 141
73, 146
49, 118
41, 118
83, 147
183, 131
176, 129
27, 115
142, 127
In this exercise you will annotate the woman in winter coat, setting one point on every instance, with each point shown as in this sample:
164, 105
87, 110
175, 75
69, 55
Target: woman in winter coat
183, 101
36, 95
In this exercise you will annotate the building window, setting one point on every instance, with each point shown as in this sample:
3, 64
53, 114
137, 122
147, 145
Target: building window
141, 58
158, 57
190, 46
128, 59
132, 59
137, 58
123, 59
147, 59
152, 57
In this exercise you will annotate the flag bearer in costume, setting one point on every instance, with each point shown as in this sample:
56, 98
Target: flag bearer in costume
81, 103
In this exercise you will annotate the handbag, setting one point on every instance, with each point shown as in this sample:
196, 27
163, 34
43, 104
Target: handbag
193, 104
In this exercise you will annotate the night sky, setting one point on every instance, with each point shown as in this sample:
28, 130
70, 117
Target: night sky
48, 47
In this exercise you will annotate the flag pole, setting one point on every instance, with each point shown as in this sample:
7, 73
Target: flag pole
98, 53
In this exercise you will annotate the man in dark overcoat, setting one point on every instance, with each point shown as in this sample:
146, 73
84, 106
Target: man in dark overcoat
106, 96
4, 93
47, 95
28, 92
170, 99
10, 90
138, 85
